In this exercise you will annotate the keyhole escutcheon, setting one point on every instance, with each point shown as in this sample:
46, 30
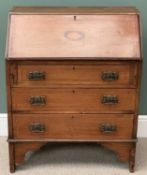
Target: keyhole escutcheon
75, 18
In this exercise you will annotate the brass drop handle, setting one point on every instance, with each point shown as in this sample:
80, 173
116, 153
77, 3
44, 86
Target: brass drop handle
36, 75
37, 100
108, 128
109, 100
37, 127
110, 76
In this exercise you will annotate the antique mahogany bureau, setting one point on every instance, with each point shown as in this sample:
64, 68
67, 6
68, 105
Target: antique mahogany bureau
73, 74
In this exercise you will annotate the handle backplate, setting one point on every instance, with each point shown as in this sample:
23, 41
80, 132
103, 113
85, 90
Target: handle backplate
36, 75
108, 128
110, 100
37, 127
110, 76
37, 100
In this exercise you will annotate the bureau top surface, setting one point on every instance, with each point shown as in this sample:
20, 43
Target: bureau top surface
75, 10
73, 33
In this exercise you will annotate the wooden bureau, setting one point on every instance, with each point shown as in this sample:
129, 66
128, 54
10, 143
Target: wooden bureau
73, 74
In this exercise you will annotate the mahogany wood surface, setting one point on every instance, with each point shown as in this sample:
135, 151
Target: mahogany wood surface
74, 36
73, 126
68, 50
73, 100
76, 74
74, 10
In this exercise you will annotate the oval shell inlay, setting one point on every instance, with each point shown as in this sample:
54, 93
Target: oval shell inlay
74, 35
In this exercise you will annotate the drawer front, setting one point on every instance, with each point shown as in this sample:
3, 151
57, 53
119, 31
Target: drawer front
94, 75
73, 126
73, 100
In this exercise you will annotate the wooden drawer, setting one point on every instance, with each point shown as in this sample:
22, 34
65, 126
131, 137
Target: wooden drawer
73, 100
73, 126
71, 73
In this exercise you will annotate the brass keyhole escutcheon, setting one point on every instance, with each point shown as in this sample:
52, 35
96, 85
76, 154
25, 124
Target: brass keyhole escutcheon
73, 68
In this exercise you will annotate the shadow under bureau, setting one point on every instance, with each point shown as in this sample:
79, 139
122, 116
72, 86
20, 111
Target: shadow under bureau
73, 74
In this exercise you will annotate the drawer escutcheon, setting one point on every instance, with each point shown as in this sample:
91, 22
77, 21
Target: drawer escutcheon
108, 128
37, 127
36, 75
37, 100
110, 76
109, 100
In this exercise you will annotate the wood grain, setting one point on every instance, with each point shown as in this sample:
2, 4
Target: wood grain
21, 150
73, 100
73, 126
46, 37
73, 47
74, 10
75, 74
